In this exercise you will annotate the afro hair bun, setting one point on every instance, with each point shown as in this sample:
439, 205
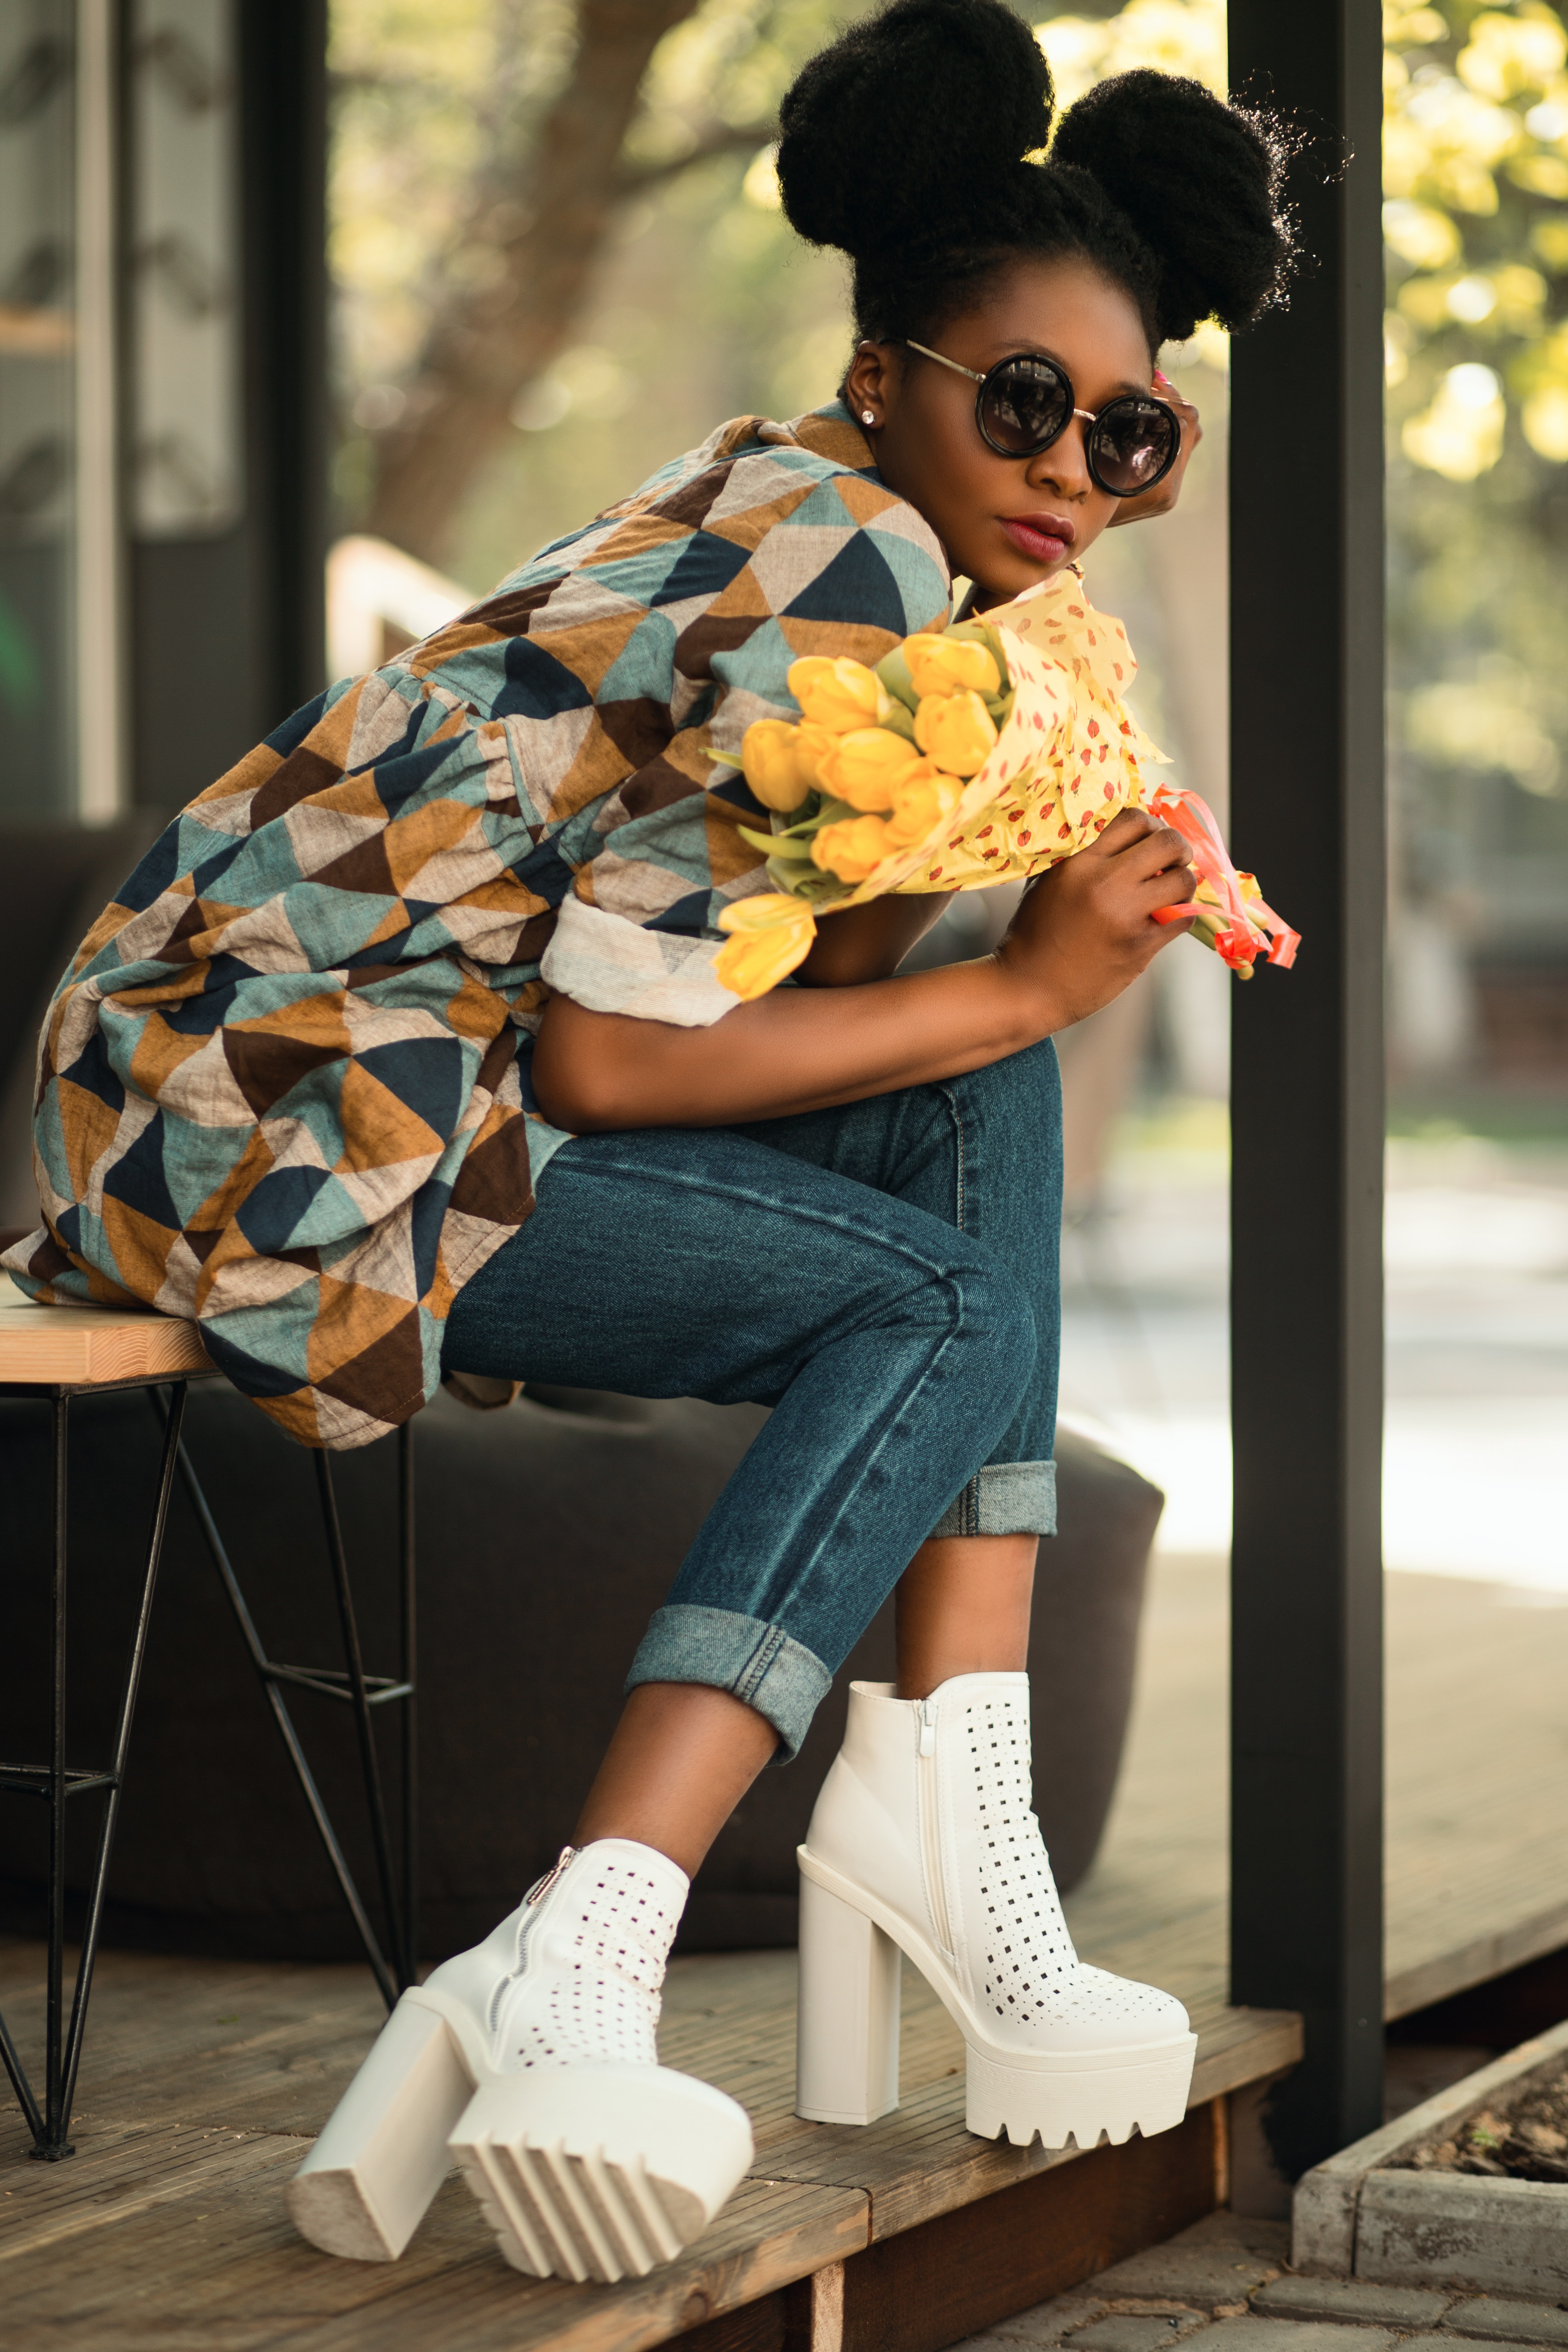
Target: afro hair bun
907, 143
1200, 183
913, 117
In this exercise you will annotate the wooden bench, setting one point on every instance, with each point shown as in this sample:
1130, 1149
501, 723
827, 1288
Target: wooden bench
59, 1354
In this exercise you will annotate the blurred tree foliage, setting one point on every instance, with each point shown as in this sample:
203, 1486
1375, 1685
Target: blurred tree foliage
503, 166
1475, 221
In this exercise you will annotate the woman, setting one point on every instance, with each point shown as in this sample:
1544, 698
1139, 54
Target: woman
452, 934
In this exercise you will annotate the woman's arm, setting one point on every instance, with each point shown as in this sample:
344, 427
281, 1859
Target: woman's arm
870, 942
1081, 933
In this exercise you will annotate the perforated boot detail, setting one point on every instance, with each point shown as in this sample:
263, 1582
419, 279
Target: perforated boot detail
1021, 1958
592, 1960
1020, 1947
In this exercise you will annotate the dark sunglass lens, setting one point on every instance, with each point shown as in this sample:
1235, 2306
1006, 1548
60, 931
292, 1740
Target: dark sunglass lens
1131, 443
1024, 407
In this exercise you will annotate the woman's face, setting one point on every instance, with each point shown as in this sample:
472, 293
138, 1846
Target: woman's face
1007, 523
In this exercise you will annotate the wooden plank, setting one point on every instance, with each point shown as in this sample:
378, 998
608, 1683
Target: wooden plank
920, 2162
224, 2246
931, 2286
1491, 1954
83, 1344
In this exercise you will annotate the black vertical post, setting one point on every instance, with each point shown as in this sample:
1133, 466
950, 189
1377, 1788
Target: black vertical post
283, 114
227, 627
1307, 813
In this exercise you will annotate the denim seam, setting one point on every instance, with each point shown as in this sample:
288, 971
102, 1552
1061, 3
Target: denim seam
969, 1495
951, 1101
761, 1658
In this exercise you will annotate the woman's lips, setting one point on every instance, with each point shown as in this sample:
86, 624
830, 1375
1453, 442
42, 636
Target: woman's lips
1044, 539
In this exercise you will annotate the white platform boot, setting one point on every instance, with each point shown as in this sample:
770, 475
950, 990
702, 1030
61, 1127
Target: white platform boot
532, 2060
924, 1840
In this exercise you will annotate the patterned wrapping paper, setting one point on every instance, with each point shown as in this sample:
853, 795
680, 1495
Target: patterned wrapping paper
283, 1087
1070, 755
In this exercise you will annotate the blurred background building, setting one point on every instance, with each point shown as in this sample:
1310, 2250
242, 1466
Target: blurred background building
318, 315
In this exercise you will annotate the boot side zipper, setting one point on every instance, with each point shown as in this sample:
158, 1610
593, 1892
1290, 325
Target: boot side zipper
930, 1840
531, 1901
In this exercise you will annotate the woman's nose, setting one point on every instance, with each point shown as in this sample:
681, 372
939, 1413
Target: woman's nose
1064, 467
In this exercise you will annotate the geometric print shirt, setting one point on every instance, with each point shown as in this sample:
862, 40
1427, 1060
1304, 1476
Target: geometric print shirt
284, 1085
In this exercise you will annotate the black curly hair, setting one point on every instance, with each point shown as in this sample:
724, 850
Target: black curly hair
909, 143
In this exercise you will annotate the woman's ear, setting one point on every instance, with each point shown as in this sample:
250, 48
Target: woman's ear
871, 384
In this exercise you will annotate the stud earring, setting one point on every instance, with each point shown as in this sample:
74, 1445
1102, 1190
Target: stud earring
868, 417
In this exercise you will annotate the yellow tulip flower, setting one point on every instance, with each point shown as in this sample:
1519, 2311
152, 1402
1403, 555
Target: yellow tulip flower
852, 848
769, 935
839, 694
774, 770
924, 798
864, 767
956, 730
950, 665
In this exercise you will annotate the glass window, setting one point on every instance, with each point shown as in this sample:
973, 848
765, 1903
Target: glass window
37, 408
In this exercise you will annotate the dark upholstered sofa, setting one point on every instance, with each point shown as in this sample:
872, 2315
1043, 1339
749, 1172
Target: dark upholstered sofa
548, 1532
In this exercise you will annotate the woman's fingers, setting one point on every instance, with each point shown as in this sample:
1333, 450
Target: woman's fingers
1141, 843
1128, 828
1163, 496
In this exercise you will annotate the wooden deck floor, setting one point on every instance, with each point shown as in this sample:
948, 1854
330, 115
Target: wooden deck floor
202, 2081
1476, 1873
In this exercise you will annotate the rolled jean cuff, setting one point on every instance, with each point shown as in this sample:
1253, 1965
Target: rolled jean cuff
1005, 1498
785, 1681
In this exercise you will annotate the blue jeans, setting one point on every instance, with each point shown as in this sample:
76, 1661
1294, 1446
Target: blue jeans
884, 1275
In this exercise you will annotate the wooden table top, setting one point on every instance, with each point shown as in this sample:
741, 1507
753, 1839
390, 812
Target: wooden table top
82, 1345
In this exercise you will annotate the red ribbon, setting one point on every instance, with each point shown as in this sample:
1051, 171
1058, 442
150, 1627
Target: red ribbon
1249, 922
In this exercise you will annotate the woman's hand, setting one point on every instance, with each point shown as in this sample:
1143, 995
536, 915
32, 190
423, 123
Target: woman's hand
1163, 496
1084, 930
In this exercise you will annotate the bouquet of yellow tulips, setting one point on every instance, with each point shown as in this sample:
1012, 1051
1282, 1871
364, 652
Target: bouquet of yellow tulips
982, 753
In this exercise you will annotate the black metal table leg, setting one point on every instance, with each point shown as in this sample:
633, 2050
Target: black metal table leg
359, 1694
48, 2120
53, 2143
394, 1968
408, 1665
57, 1783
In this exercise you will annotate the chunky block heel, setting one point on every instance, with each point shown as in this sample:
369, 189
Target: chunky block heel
367, 2184
847, 2034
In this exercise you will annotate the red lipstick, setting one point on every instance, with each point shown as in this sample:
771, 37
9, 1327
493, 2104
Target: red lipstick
1043, 538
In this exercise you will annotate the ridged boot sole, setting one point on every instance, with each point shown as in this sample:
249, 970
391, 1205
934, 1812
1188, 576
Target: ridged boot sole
600, 2172
1055, 2096
369, 2180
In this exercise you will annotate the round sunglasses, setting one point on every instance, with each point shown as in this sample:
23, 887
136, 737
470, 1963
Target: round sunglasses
1026, 403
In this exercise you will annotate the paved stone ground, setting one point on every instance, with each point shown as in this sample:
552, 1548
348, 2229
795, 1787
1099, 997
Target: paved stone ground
1226, 2280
